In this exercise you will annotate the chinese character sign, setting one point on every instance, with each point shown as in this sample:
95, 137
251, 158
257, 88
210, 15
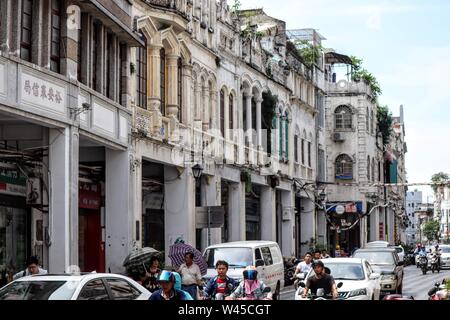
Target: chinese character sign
38, 92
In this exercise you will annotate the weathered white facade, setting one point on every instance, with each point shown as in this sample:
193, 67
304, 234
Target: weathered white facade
413, 200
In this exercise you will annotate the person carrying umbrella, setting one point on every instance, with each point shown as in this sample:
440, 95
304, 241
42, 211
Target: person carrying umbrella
190, 274
150, 279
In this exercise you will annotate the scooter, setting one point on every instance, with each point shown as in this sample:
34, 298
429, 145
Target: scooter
268, 296
299, 277
423, 264
320, 294
439, 292
435, 266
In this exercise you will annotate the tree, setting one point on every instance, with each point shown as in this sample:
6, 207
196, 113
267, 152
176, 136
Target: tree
431, 230
384, 116
309, 52
236, 6
440, 177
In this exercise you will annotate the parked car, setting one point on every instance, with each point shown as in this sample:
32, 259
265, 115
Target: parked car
445, 256
386, 262
93, 286
400, 252
359, 281
264, 255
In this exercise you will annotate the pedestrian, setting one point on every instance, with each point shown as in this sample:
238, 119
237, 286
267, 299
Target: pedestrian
150, 279
221, 285
32, 268
168, 292
191, 275
325, 254
305, 265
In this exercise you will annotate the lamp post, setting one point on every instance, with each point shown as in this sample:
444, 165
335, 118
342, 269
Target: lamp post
197, 172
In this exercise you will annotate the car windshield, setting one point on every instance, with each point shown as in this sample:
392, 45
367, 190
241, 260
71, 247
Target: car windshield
376, 257
38, 290
445, 249
236, 257
345, 271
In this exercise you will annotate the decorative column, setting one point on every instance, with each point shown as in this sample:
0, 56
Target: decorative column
268, 216
206, 107
213, 116
187, 98
259, 101
198, 102
172, 97
154, 85
248, 125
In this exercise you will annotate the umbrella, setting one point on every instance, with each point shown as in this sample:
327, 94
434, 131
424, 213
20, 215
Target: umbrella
178, 251
140, 257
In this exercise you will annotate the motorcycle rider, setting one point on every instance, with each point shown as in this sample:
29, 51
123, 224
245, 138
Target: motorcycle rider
320, 280
305, 265
221, 284
250, 288
437, 251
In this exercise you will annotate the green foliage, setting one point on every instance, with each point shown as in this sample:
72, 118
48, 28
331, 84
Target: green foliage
431, 230
236, 6
268, 109
361, 74
309, 52
384, 117
439, 178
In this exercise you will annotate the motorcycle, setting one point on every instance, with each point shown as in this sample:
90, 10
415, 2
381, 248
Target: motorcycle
423, 264
439, 292
299, 277
435, 266
268, 296
289, 271
320, 294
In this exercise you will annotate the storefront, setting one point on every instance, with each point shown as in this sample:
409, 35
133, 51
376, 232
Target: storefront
253, 214
344, 226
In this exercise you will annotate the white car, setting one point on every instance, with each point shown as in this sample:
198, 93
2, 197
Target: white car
359, 282
400, 253
445, 256
93, 286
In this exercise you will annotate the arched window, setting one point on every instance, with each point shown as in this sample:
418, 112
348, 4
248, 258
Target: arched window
303, 148
373, 170
280, 130
231, 112
162, 55
367, 120
296, 148
222, 112
368, 168
310, 151
180, 89
343, 117
344, 167
372, 123
286, 135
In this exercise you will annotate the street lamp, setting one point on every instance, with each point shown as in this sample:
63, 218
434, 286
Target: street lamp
197, 171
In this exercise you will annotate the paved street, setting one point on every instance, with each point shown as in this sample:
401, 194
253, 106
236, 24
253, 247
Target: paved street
416, 284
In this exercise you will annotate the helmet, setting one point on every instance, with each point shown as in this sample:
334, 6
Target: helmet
250, 273
167, 276
177, 280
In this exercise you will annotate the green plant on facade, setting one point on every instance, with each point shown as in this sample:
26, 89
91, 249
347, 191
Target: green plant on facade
385, 121
440, 177
268, 110
309, 52
360, 74
247, 178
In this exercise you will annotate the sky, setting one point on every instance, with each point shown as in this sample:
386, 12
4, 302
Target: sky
406, 45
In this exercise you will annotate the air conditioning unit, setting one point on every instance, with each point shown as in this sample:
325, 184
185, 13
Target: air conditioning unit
339, 137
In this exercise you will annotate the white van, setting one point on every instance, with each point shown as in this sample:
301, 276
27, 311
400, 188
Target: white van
264, 255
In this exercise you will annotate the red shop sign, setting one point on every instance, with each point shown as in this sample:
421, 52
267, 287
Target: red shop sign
90, 196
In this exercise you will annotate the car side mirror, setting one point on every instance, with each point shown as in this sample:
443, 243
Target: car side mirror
302, 284
374, 276
267, 290
259, 263
339, 285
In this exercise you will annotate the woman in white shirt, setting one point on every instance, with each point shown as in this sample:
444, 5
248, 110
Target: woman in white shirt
191, 275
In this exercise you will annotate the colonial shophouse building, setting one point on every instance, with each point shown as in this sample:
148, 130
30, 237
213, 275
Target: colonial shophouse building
65, 122
228, 92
